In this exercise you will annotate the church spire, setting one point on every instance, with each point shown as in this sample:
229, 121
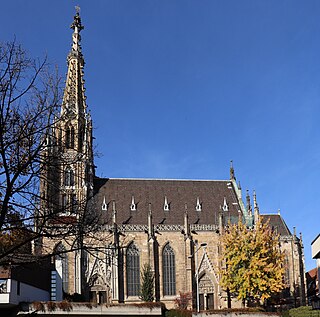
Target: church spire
74, 100
76, 38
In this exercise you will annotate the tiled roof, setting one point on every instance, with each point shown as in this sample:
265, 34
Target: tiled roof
313, 273
211, 196
277, 223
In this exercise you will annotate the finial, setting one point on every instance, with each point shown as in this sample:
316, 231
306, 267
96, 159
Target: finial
279, 211
256, 208
255, 204
232, 176
220, 220
248, 202
76, 24
239, 185
150, 227
114, 212
186, 222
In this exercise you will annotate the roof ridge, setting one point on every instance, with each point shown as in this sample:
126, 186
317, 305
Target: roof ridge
169, 179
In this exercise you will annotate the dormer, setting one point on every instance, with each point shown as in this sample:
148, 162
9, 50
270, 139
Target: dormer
166, 206
225, 206
104, 206
133, 205
198, 205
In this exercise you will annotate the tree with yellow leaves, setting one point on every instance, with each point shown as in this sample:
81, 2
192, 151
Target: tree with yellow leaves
253, 267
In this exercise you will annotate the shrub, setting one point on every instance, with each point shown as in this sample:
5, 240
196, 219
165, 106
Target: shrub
39, 306
183, 301
178, 313
303, 311
64, 305
51, 306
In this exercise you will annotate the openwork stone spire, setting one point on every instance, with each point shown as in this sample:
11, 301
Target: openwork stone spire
76, 38
74, 100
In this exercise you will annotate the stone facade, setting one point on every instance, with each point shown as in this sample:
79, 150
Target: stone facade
175, 226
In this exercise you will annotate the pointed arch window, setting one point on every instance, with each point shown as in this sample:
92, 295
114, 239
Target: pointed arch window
64, 202
68, 176
70, 137
59, 138
286, 270
133, 270
169, 271
74, 203
80, 139
61, 264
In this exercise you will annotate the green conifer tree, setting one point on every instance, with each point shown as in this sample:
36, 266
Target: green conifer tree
147, 285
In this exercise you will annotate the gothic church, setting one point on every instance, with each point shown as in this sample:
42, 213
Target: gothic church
173, 225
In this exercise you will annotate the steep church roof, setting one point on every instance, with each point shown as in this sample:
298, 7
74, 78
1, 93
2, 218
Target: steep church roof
168, 198
277, 223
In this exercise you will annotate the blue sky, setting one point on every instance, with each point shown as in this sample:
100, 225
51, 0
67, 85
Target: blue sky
177, 89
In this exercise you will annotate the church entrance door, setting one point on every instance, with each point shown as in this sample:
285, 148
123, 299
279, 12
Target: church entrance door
210, 302
206, 293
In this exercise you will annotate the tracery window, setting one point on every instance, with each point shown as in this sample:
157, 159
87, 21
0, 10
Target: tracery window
64, 201
69, 177
59, 138
62, 265
80, 139
73, 199
169, 271
133, 270
286, 271
70, 137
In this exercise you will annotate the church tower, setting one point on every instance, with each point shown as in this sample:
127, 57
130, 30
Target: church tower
67, 178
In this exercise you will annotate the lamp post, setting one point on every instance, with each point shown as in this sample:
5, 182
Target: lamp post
195, 253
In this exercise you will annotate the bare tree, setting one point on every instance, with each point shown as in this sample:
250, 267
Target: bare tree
29, 99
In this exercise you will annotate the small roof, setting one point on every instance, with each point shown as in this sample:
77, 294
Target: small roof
277, 223
313, 273
209, 193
